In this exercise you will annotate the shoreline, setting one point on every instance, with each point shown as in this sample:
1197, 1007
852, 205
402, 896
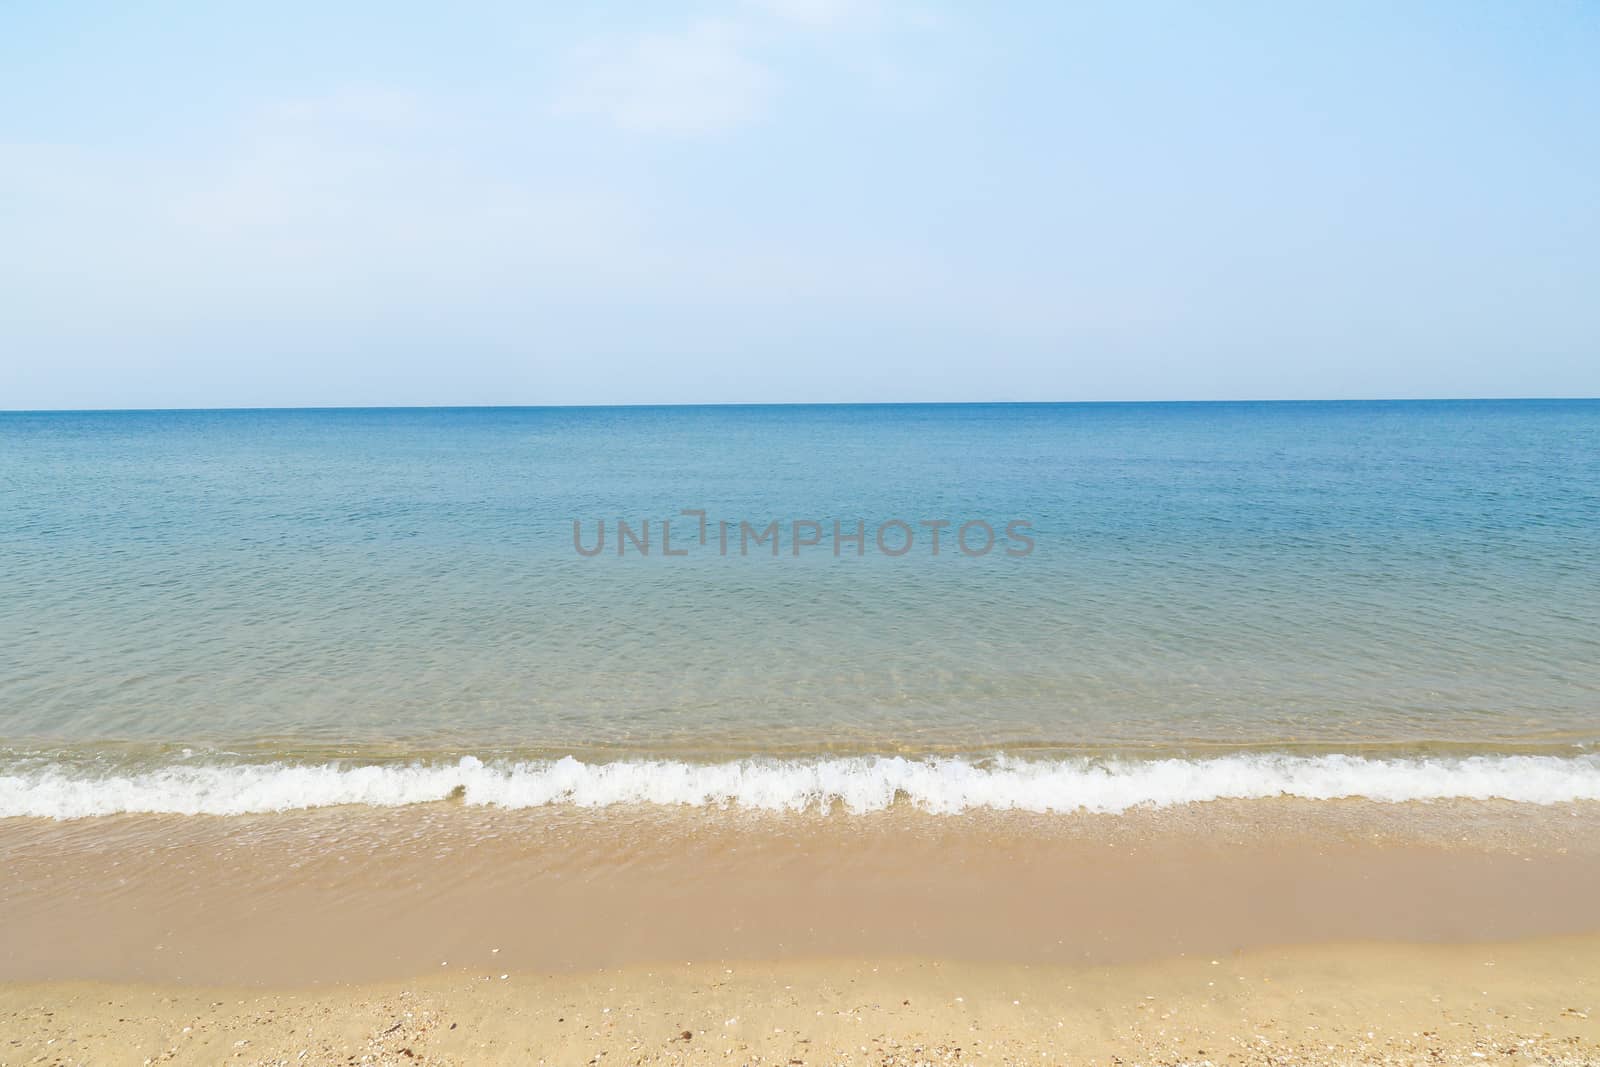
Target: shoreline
45, 786
1528, 1002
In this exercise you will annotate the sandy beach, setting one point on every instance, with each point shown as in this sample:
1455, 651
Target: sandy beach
1528, 1003
1253, 933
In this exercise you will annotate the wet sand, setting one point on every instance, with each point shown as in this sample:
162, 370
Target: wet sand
362, 895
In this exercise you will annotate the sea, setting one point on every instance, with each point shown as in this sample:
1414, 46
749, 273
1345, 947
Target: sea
1047, 608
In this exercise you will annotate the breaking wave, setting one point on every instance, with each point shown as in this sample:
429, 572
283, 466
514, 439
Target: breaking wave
856, 784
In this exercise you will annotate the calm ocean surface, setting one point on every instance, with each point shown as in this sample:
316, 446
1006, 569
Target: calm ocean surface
1408, 586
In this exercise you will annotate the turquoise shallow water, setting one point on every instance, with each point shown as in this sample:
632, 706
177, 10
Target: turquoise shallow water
1411, 578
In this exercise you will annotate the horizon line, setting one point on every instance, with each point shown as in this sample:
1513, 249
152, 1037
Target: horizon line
198, 409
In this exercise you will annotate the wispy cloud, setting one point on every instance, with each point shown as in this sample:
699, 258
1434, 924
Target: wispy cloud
818, 13
330, 205
700, 80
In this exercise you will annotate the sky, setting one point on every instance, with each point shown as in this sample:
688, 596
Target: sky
287, 203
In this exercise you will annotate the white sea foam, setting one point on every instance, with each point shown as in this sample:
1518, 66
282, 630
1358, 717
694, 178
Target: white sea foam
858, 784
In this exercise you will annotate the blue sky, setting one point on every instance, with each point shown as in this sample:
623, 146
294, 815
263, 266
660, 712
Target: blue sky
795, 200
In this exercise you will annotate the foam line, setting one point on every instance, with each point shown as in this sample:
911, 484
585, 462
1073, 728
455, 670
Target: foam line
858, 784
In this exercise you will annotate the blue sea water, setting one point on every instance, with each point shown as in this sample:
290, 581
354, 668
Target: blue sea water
1400, 581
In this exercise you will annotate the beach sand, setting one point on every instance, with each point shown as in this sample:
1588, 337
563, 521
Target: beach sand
1249, 933
1526, 1003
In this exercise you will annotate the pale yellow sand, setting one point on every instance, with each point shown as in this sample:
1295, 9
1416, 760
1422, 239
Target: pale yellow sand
1524, 1003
